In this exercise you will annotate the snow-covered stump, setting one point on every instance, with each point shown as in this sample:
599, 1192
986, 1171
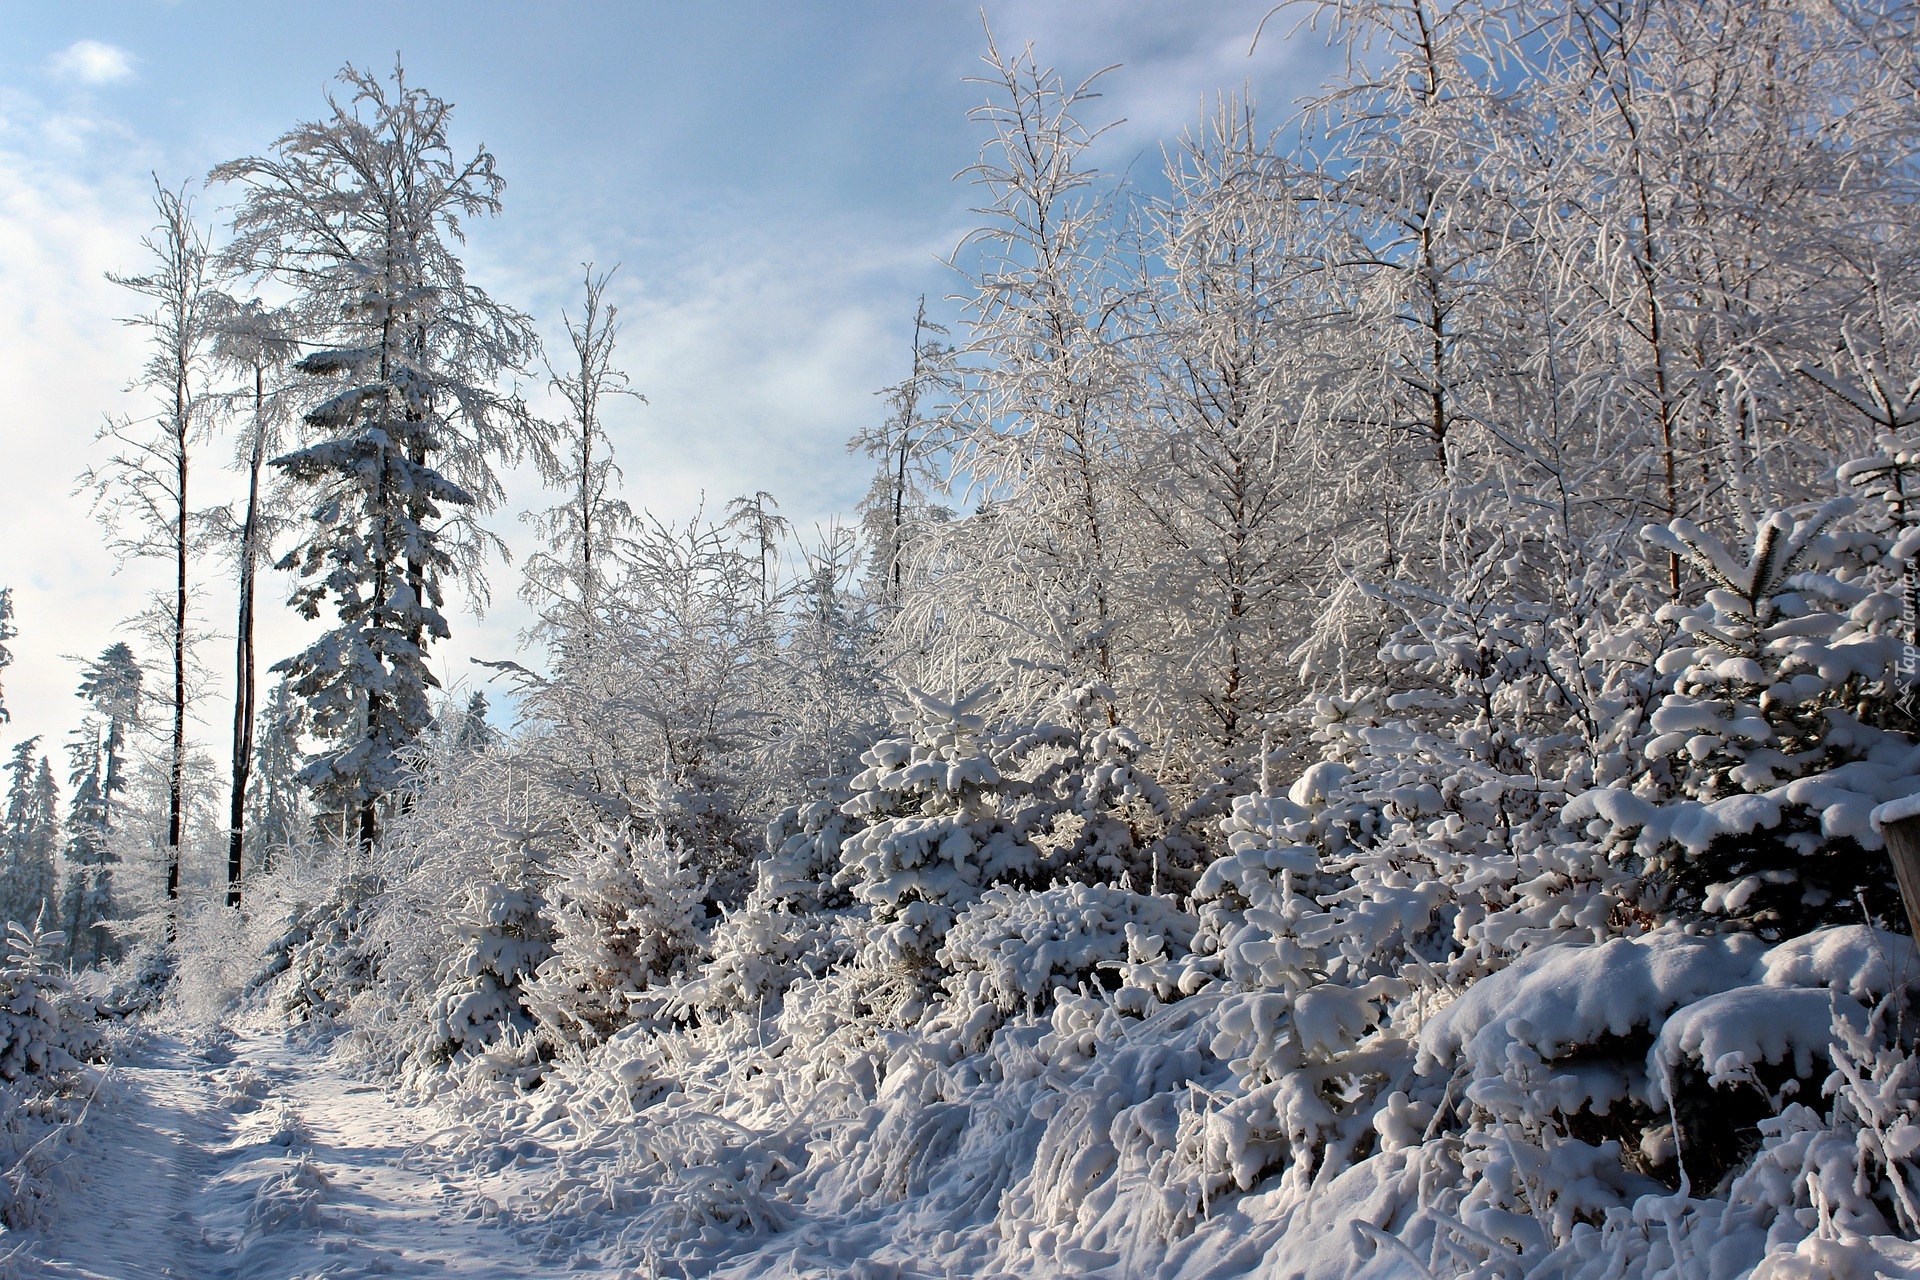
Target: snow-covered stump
1898, 822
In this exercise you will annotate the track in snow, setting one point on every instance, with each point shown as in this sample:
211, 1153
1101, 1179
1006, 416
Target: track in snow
244, 1156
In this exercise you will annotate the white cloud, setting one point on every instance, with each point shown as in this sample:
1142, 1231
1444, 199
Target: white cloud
92, 62
66, 359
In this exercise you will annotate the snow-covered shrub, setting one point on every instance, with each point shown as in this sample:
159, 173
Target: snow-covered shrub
1013, 948
952, 809
708, 1182
215, 946
625, 913
47, 1032
443, 919
49, 1037
323, 958
759, 950
1088, 800
1849, 1166
803, 856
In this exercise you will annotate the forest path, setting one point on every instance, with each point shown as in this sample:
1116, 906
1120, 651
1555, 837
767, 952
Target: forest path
244, 1154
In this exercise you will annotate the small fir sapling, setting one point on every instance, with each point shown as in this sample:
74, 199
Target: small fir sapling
937, 833
1767, 754
47, 1031
497, 941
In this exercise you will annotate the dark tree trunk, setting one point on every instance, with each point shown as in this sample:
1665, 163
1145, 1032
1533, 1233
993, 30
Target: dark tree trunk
176, 781
244, 679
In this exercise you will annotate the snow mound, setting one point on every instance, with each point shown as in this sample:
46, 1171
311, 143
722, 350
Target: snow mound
1731, 1032
1854, 958
1572, 994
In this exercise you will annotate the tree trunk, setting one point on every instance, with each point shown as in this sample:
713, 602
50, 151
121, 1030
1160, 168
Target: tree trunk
178, 764
1903, 850
244, 682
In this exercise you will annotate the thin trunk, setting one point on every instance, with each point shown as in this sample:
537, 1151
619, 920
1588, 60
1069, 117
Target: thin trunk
1438, 418
909, 411
1621, 93
417, 454
367, 819
244, 682
178, 764
586, 499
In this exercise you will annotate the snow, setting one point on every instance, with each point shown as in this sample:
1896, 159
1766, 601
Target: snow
248, 1154
1896, 810
1564, 996
1731, 1032
1852, 958
1552, 954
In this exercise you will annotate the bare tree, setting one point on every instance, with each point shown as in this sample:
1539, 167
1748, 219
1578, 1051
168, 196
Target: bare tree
566, 583
141, 491
904, 444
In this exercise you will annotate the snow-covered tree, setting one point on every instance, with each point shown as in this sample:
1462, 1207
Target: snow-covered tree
1038, 418
904, 446
827, 704
471, 733
32, 835
659, 716
87, 858
565, 584
278, 816
360, 214
8, 630
1230, 566
47, 1032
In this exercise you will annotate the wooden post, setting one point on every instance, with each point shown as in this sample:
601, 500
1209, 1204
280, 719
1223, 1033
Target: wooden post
1899, 825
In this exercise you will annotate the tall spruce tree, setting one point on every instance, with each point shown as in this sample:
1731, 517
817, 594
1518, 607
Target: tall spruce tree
111, 683
360, 212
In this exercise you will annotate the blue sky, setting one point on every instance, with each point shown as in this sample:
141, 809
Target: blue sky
776, 180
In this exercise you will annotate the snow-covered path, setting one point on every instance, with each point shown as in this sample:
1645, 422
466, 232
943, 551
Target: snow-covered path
246, 1156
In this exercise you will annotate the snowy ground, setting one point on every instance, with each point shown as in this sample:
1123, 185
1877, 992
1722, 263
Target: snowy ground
245, 1154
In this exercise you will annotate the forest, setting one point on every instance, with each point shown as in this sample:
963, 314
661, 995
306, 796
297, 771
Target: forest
1348, 736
